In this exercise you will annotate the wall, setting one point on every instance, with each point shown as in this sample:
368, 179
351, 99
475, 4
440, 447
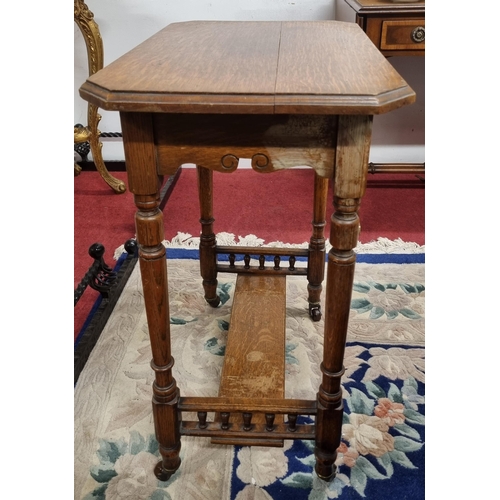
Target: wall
123, 24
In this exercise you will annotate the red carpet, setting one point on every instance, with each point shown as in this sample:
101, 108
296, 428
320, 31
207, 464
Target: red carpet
279, 206
273, 207
100, 216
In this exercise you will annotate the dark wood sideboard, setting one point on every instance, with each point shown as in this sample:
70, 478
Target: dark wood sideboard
396, 28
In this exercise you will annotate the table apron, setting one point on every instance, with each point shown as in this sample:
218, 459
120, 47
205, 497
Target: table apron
271, 142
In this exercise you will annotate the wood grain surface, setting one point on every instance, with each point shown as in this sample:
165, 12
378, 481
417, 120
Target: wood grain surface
254, 362
219, 141
326, 67
321, 61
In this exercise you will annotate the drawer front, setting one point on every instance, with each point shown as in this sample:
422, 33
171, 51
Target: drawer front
403, 35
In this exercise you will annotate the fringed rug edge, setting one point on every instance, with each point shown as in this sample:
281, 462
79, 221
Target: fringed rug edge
379, 246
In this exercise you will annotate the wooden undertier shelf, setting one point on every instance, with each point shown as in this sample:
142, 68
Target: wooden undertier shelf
254, 362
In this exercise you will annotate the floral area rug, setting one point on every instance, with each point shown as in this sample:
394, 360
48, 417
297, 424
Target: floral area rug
382, 450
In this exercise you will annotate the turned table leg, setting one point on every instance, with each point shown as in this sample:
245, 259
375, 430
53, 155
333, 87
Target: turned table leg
349, 185
208, 257
316, 260
144, 183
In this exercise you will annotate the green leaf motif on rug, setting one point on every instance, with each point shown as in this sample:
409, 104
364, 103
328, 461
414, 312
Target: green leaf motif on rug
319, 490
360, 402
405, 445
160, 495
223, 325
388, 299
386, 462
125, 465
407, 431
368, 469
416, 288
375, 390
361, 287
370, 433
398, 457
310, 461
377, 312
290, 359
358, 480
361, 472
97, 494
414, 417
299, 480
213, 347
361, 305
181, 321
409, 313
412, 399
377, 433
102, 474
223, 292
394, 394
110, 451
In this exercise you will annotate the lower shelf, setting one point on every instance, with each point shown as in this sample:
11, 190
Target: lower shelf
254, 362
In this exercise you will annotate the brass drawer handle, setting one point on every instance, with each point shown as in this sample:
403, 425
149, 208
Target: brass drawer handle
418, 34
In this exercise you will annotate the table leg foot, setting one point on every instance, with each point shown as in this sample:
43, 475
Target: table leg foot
325, 471
208, 244
316, 259
328, 434
213, 302
163, 474
315, 312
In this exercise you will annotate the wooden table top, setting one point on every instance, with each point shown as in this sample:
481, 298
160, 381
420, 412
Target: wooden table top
316, 67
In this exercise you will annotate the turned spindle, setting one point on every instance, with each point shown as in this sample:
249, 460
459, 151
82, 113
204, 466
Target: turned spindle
225, 421
247, 421
202, 419
292, 422
277, 261
262, 260
270, 422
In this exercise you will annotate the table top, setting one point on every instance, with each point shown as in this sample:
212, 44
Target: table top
311, 67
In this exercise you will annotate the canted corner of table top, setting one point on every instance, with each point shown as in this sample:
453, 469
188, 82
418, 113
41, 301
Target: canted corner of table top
302, 67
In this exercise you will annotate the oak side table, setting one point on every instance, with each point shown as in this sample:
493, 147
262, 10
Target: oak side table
282, 94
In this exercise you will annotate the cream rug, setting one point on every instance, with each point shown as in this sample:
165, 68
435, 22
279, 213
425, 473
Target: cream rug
382, 452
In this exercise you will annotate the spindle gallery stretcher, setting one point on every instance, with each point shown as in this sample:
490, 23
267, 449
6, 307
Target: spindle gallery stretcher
251, 403
282, 94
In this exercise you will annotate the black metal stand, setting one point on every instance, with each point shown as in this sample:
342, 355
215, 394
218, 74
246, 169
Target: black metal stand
110, 283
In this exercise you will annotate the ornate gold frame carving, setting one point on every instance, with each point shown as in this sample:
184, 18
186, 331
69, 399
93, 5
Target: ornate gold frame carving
84, 18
